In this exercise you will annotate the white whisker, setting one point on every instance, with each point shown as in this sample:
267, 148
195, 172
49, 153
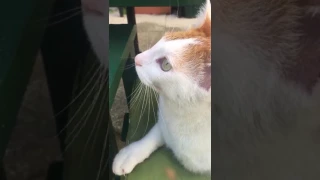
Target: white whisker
64, 19
70, 120
142, 111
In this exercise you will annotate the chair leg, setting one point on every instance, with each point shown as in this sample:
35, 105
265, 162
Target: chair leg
131, 17
129, 77
121, 11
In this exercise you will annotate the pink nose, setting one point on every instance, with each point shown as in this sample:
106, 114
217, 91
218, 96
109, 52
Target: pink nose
138, 60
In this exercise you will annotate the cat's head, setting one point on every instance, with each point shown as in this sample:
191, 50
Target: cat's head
178, 66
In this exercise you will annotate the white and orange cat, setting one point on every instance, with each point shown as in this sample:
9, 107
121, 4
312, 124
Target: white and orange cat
178, 67
266, 95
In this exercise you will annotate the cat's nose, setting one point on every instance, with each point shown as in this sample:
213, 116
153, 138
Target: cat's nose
138, 60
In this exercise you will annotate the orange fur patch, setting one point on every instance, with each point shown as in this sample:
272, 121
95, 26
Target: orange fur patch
197, 55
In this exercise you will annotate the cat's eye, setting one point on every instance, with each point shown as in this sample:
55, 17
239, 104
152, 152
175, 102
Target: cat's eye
165, 65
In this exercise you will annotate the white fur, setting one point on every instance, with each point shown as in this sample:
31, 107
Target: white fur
151, 74
203, 13
137, 152
96, 28
184, 115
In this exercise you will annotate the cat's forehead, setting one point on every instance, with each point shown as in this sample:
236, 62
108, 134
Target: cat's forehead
170, 48
184, 35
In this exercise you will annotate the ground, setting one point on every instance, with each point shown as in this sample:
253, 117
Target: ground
33, 145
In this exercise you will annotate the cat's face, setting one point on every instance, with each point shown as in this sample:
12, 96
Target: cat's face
179, 64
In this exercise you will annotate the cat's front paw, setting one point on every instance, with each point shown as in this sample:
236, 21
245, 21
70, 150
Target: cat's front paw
128, 158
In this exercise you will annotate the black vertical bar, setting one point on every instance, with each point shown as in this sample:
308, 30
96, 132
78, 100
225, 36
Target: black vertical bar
121, 11
131, 17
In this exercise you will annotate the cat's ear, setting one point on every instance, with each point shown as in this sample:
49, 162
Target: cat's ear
206, 80
204, 18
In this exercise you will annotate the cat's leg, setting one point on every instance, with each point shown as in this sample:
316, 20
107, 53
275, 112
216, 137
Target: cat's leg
137, 152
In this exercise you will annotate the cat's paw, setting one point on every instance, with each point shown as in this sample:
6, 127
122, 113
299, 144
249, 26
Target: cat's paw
128, 158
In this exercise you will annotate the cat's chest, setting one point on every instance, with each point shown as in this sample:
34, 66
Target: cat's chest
182, 126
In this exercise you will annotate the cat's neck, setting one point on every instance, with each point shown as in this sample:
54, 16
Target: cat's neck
185, 108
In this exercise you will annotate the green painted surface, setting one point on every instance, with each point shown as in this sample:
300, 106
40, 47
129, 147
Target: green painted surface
162, 166
126, 3
21, 31
120, 44
161, 162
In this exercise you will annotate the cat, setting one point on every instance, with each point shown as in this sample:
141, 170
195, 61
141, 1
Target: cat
266, 95
95, 20
178, 68
195, 116
266, 92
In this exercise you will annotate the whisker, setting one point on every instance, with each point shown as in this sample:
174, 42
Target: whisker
134, 92
73, 117
141, 114
130, 66
84, 118
57, 114
154, 112
64, 19
87, 113
157, 101
59, 14
103, 152
149, 103
97, 67
83, 103
99, 124
136, 101
98, 119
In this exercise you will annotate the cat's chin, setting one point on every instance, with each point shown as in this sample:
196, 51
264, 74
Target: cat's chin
143, 78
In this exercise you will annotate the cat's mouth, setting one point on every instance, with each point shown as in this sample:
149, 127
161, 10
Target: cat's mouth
147, 82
